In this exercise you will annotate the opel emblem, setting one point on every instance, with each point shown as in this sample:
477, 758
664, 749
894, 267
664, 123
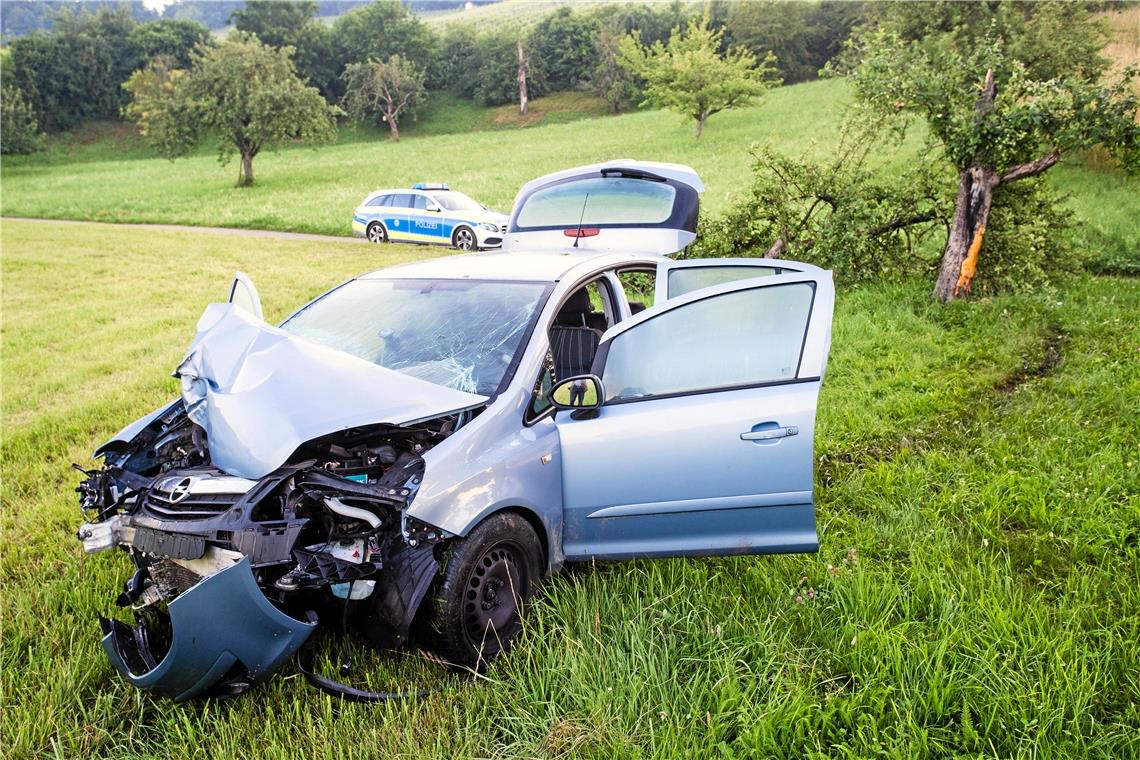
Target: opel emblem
181, 490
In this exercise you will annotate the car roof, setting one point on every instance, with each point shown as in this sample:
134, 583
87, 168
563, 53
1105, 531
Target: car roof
546, 266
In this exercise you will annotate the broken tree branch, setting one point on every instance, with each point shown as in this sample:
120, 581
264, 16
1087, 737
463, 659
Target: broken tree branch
1030, 169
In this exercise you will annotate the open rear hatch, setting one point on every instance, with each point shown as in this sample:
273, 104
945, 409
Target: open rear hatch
624, 205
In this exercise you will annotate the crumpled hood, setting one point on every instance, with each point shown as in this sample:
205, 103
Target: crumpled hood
260, 392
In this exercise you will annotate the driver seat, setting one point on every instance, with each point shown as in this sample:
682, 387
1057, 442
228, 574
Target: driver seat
573, 342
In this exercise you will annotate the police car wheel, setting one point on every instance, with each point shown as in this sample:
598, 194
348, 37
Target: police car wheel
376, 233
464, 239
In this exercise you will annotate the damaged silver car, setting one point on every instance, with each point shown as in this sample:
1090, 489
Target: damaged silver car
415, 449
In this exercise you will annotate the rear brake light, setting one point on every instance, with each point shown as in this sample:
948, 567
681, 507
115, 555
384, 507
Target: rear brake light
577, 232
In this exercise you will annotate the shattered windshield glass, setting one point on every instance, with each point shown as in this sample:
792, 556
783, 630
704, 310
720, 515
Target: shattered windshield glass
462, 334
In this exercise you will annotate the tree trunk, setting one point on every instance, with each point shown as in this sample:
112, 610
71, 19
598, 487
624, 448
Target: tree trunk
971, 212
393, 127
246, 177
972, 209
522, 79
700, 125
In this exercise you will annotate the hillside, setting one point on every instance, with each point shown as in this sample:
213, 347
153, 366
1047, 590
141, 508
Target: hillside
314, 190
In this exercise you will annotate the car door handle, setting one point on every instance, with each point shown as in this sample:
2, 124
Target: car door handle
770, 433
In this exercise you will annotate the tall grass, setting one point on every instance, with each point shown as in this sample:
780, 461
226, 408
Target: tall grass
975, 593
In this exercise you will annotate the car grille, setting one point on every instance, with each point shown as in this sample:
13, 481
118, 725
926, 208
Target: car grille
194, 495
189, 508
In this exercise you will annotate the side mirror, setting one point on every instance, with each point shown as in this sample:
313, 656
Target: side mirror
433, 207
578, 392
244, 295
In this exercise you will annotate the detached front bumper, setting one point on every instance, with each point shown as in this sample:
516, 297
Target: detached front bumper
223, 632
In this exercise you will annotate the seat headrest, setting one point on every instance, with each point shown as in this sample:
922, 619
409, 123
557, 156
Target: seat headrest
578, 303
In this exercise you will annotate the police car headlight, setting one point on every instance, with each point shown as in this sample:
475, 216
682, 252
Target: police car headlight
489, 227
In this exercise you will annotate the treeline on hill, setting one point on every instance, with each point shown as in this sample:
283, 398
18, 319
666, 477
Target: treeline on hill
59, 78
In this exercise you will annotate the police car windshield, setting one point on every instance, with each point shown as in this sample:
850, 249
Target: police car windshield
453, 201
463, 334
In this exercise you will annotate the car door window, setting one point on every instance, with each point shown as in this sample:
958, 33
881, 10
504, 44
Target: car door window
739, 338
420, 202
638, 285
379, 200
400, 200
688, 279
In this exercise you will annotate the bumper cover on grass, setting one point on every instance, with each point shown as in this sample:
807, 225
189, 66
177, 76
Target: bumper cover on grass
222, 622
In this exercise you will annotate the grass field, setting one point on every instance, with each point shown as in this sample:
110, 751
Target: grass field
975, 593
112, 176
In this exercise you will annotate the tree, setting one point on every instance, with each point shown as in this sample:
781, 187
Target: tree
243, 92
835, 212
497, 69
521, 76
802, 36
610, 80
562, 44
292, 24
72, 74
1003, 104
175, 39
380, 30
20, 132
383, 91
688, 75
457, 63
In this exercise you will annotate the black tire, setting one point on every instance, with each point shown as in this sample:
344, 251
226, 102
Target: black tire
485, 580
376, 233
464, 239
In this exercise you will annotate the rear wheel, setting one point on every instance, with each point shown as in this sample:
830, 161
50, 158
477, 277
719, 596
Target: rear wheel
464, 239
377, 233
484, 584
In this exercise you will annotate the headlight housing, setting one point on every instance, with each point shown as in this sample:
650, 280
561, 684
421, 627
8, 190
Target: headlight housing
489, 227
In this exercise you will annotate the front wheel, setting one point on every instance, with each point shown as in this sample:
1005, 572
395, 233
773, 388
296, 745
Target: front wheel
376, 233
484, 584
464, 239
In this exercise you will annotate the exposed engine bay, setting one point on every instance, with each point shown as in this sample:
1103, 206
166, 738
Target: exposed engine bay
325, 534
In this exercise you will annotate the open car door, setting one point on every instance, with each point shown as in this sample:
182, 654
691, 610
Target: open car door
677, 278
703, 442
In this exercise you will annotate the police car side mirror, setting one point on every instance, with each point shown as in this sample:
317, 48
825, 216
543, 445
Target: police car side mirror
433, 207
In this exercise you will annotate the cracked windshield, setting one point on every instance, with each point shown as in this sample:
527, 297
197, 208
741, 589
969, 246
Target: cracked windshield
462, 334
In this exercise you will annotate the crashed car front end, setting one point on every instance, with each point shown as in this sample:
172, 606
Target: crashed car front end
242, 538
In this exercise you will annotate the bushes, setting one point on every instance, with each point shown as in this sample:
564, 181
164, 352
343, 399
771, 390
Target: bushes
20, 132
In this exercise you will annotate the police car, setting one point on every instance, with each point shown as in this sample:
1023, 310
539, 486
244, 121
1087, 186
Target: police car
428, 213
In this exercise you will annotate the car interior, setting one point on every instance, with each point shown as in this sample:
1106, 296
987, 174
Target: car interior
577, 331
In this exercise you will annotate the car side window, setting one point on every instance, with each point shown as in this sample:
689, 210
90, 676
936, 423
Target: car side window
736, 339
400, 200
687, 279
379, 200
420, 202
638, 285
